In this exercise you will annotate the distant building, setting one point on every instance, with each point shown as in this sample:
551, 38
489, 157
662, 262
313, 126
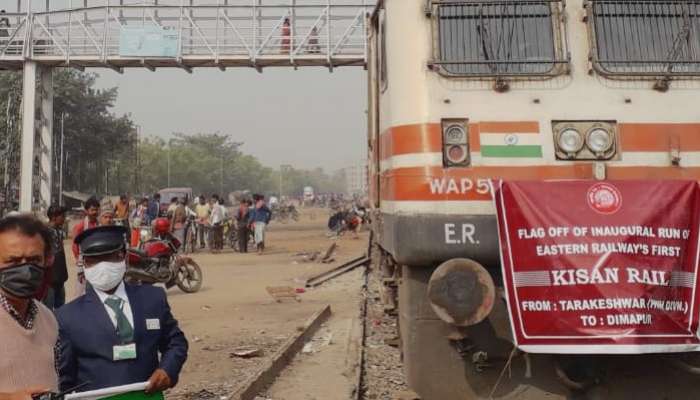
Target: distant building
356, 178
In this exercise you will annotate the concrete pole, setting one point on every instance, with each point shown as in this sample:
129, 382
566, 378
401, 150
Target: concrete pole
46, 143
28, 134
60, 168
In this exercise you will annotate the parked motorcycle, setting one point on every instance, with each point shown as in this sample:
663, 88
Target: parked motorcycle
283, 213
347, 221
157, 260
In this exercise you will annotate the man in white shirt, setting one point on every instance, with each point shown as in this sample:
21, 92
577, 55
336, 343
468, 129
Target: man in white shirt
218, 215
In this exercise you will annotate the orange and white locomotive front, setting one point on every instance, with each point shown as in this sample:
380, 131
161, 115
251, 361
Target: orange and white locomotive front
464, 92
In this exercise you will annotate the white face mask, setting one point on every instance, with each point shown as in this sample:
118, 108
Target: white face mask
106, 275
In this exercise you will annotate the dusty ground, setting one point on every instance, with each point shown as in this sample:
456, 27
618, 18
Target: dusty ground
234, 310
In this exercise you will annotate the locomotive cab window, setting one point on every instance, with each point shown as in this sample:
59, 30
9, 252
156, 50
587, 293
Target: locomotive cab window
645, 38
499, 38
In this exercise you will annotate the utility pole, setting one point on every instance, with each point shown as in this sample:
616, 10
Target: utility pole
282, 168
138, 166
221, 178
60, 167
169, 147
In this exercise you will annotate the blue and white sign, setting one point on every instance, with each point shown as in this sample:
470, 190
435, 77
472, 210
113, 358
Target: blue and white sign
148, 41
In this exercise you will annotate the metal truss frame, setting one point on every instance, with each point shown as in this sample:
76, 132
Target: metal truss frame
221, 35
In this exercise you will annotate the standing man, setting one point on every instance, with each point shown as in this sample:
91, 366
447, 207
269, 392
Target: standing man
242, 217
106, 217
28, 329
217, 228
121, 211
92, 211
154, 208
117, 333
203, 210
56, 295
286, 36
172, 207
259, 218
178, 220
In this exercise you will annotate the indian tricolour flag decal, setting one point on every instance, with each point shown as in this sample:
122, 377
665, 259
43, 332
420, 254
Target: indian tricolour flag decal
515, 145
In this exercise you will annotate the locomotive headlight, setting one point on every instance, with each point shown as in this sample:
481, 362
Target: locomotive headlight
570, 141
456, 154
455, 143
599, 140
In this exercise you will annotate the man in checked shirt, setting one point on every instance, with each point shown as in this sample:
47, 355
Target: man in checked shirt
28, 329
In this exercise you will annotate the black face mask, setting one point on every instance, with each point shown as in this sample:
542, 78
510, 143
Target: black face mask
23, 280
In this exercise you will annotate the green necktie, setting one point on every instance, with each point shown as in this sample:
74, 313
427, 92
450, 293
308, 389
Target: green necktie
124, 328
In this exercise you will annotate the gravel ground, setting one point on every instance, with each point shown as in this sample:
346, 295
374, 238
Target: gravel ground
240, 368
383, 374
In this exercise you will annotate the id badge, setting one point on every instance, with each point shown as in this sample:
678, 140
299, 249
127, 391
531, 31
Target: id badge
124, 352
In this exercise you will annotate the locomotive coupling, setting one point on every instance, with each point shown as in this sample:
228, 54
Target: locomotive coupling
461, 292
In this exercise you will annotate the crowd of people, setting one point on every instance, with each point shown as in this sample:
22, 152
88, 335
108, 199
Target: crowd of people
201, 222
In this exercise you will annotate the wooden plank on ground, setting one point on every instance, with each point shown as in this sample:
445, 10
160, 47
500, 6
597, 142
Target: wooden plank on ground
273, 367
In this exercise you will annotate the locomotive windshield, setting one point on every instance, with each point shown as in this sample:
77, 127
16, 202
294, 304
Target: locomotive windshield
487, 38
647, 37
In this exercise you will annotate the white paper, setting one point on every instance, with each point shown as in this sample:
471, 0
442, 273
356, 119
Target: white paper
107, 392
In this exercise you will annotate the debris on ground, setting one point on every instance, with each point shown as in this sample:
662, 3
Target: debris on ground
309, 256
259, 348
280, 293
213, 348
246, 352
383, 375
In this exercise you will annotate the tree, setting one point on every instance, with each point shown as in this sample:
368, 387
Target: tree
208, 163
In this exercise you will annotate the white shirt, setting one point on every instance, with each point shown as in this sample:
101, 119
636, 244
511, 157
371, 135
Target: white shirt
217, 214
126, 307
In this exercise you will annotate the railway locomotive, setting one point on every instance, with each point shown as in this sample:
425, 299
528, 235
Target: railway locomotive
462, 92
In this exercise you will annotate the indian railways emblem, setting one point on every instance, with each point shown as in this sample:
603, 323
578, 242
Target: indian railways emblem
604, 198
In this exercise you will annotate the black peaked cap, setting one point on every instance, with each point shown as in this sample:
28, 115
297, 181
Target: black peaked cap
102, 240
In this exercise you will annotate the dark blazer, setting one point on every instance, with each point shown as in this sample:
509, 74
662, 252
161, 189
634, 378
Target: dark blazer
87, 337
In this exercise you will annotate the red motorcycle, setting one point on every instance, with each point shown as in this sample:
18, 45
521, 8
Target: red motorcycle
156, 260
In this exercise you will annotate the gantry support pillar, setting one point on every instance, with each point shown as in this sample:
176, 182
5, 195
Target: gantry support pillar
37, 138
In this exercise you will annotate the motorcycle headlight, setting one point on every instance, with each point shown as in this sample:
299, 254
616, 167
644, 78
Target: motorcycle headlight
144, 234
570, 141
599, 140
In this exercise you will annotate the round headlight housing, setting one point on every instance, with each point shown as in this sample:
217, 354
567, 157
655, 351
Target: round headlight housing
455, 134
456, 154
570, 141
599, 140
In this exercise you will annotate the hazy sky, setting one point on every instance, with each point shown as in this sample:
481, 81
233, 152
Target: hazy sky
306, 118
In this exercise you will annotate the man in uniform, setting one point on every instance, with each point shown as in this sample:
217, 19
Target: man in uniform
117, 333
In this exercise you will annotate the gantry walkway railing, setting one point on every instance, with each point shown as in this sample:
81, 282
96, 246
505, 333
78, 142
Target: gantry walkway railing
235, 33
